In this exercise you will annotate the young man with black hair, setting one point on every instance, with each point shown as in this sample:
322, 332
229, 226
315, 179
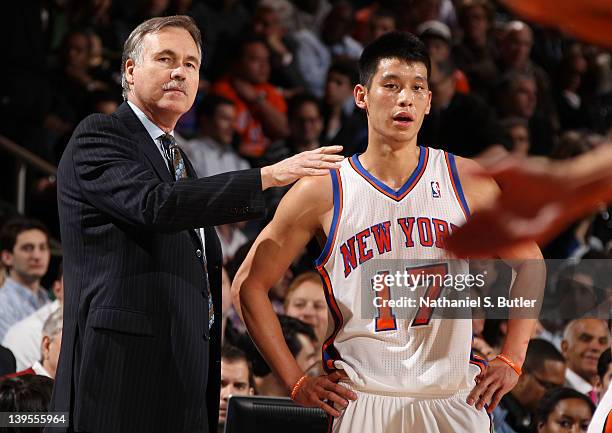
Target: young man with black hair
398, 375
236, 379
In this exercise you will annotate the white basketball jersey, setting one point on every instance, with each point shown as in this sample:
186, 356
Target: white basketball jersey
374, 231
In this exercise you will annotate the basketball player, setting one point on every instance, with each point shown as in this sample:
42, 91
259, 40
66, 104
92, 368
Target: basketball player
395, 201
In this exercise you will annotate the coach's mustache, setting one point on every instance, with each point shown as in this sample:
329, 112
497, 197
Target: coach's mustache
175, 85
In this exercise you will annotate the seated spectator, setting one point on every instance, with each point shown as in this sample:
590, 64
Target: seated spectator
571, 107
301, 340
260, 108
604, 371
514, 55
451, 123
517, 130
316, 54
211, 152
476, 53
603, 415
438, 39
564, 410
50, 348
584, 340
24, 245
29, 393
381, 21
517, 96
344, 124
236, 379
305, 123
305, 300
543, 370
24, 337
7, 361
266, 23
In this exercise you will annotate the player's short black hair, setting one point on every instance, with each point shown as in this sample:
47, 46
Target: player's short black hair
539, 351
604, 362
553, 397
393, 45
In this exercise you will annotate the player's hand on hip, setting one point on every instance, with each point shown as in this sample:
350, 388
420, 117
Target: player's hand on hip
315, 162
492, 384
325, 392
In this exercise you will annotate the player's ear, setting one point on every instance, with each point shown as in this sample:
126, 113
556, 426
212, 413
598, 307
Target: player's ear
361, 97
428, 102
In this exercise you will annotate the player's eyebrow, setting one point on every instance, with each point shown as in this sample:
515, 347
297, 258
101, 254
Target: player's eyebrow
390, 76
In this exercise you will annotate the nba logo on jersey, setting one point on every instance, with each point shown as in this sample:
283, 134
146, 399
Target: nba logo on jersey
435, 190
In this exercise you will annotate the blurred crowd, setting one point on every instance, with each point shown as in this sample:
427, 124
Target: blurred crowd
277, 79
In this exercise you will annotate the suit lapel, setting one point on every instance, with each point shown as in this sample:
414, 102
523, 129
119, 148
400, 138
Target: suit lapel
144, 141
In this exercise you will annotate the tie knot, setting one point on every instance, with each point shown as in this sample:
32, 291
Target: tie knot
167, 141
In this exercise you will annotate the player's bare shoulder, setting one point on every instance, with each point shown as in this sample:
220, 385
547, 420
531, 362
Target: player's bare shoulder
480, 190
310, 201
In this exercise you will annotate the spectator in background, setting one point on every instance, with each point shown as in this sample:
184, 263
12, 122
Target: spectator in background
236, 379
316, 54
7, 361
451, 122
283, 49
564, 410
476, 53
29, 393
543, 370
514, 55
260, 108
104, 102
338, 102
604, 371
232, 238
517, 131
95, 15
24, 245
336, 31
381, 21
50, 347
305, 300
437, 38
212, 151
517, 96
344, 124
301, 340
305, 123
25, 336
571, 107
584, 340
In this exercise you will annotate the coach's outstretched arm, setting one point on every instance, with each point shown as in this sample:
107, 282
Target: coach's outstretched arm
304, 210
526, 260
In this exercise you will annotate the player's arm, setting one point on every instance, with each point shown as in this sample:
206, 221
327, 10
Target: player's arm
301, 213
526, 260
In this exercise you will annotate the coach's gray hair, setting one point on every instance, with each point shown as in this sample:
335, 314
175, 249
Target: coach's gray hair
54, 323
132, 49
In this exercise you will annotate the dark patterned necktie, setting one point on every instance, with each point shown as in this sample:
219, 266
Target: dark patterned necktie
177, 167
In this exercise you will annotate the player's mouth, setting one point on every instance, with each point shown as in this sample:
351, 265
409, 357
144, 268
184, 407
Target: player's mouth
403, 119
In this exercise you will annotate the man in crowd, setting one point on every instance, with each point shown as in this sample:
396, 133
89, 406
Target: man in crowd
584, 340
49, 348
544, 369
23, 338
236, 379
24, 245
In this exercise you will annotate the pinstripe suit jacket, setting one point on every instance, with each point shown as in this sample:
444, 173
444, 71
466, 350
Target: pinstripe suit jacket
136, 352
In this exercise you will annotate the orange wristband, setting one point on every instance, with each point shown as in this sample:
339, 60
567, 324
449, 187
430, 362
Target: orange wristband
297, 386
508, 361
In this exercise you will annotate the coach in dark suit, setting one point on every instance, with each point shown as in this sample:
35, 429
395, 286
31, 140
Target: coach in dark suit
137, 352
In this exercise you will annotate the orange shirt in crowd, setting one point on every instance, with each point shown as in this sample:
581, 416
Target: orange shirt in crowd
253, 141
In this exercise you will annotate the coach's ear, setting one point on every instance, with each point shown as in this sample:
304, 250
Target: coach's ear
361, 97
